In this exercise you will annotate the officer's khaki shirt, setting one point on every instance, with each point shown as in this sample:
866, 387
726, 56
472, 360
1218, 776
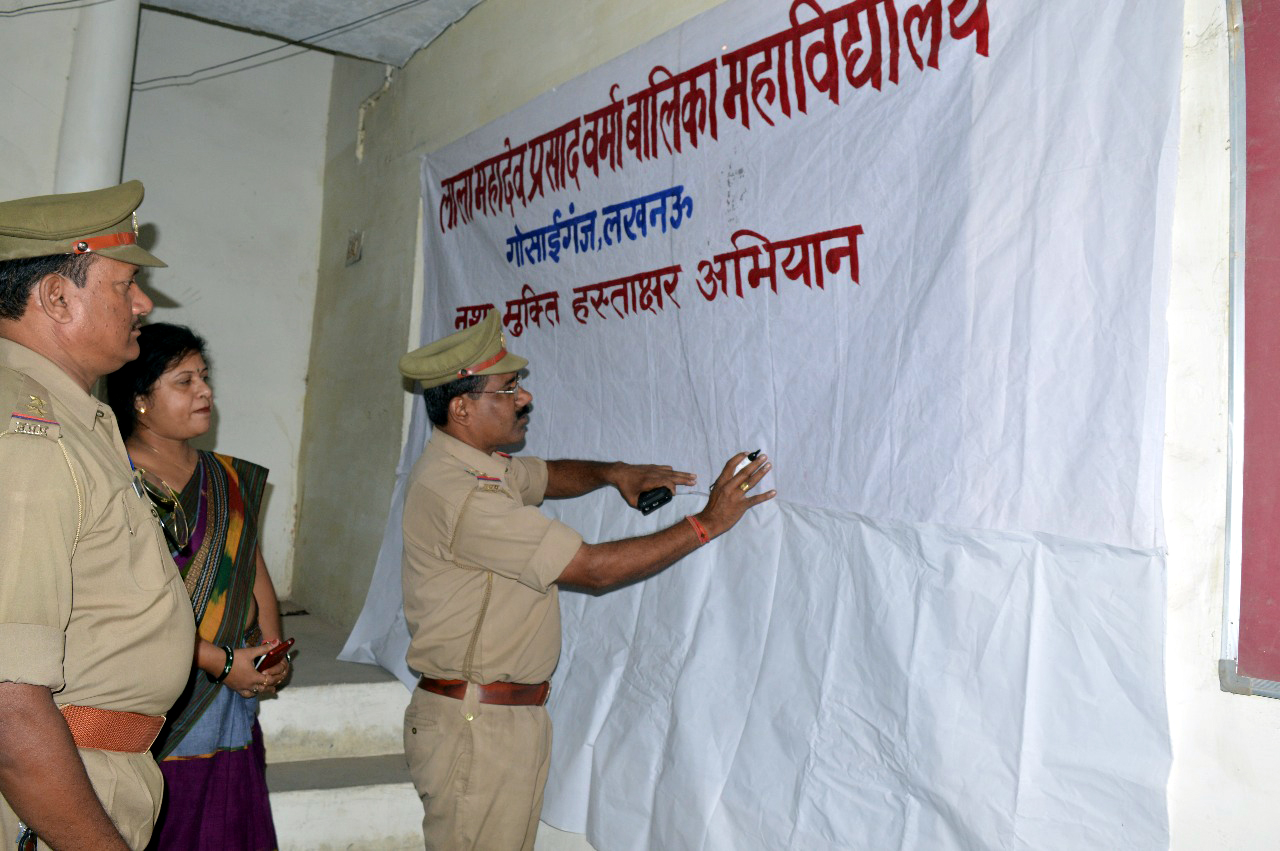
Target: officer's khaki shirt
480, 565
91, 604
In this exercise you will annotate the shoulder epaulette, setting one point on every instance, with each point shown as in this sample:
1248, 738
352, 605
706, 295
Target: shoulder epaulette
31, 413
489, 484
29, 409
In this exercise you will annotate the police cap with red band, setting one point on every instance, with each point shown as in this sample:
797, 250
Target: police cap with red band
478, 350
103, 221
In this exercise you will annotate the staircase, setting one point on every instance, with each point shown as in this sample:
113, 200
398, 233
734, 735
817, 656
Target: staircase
335, 758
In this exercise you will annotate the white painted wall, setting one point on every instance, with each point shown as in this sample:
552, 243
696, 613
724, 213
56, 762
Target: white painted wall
234, 170
1223, 786
35, 55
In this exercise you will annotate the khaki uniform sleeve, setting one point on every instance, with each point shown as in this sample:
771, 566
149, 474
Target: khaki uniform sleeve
518, 542
529, 477
39, 513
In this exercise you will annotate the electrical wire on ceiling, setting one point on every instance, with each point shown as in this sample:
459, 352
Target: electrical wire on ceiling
304, 44
53, 6
193, 77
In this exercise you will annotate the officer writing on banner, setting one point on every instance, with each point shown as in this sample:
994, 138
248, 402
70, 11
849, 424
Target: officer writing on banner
96, 635
481, 570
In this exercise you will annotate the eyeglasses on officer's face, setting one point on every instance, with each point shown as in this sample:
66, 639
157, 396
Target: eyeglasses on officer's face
506, 391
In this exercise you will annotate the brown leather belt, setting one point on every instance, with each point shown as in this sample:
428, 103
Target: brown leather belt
109, 730
501, 694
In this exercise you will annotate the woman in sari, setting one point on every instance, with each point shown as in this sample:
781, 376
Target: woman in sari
210, 750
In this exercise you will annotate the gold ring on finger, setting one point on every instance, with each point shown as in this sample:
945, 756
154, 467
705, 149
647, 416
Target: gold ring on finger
744, 487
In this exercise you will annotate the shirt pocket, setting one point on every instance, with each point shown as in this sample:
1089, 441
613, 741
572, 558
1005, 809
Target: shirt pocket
149, 558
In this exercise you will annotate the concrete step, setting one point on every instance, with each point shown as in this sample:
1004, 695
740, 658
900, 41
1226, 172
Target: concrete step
331, 709
335, 753
361, 803
345, 803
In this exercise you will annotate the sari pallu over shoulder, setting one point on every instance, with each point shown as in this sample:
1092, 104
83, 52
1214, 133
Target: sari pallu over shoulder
221, 501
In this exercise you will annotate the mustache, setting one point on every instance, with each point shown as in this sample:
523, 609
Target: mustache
524, 411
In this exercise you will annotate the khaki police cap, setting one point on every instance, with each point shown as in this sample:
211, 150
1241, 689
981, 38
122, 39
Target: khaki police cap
478, 350
103, 222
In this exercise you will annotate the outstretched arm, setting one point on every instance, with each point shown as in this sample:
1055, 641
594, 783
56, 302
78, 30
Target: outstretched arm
574, 478
599, 566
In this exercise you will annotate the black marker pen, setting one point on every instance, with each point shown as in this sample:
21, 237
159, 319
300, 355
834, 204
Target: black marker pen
751, 456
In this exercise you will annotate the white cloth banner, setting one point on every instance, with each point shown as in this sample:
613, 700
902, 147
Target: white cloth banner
920, 255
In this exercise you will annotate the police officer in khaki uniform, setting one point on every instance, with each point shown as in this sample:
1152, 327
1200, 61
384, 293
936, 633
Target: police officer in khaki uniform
481, 570
96, 630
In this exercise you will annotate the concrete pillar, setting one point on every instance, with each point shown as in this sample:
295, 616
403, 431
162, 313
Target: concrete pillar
96, 110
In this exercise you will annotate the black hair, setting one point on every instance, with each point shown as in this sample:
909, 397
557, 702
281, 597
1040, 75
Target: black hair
17, 277
163, 346
438, 398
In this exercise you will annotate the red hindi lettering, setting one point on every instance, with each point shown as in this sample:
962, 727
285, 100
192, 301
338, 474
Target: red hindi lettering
915, 23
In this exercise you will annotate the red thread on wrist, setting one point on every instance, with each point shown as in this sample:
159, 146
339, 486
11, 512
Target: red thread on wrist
698, 530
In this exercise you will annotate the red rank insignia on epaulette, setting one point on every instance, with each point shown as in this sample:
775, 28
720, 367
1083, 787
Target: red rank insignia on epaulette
26, 424
19, 416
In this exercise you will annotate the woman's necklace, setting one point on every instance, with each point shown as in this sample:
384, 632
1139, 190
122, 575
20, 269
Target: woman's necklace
156, 478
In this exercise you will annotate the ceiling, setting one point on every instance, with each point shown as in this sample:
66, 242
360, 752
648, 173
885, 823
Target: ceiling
387, 31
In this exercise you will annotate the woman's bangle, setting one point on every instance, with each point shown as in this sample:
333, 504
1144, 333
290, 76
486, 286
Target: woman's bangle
226, 669
698, 530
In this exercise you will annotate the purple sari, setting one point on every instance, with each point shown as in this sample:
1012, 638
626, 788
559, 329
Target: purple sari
210, 750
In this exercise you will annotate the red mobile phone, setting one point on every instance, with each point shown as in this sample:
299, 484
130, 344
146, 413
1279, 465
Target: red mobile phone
273, 656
